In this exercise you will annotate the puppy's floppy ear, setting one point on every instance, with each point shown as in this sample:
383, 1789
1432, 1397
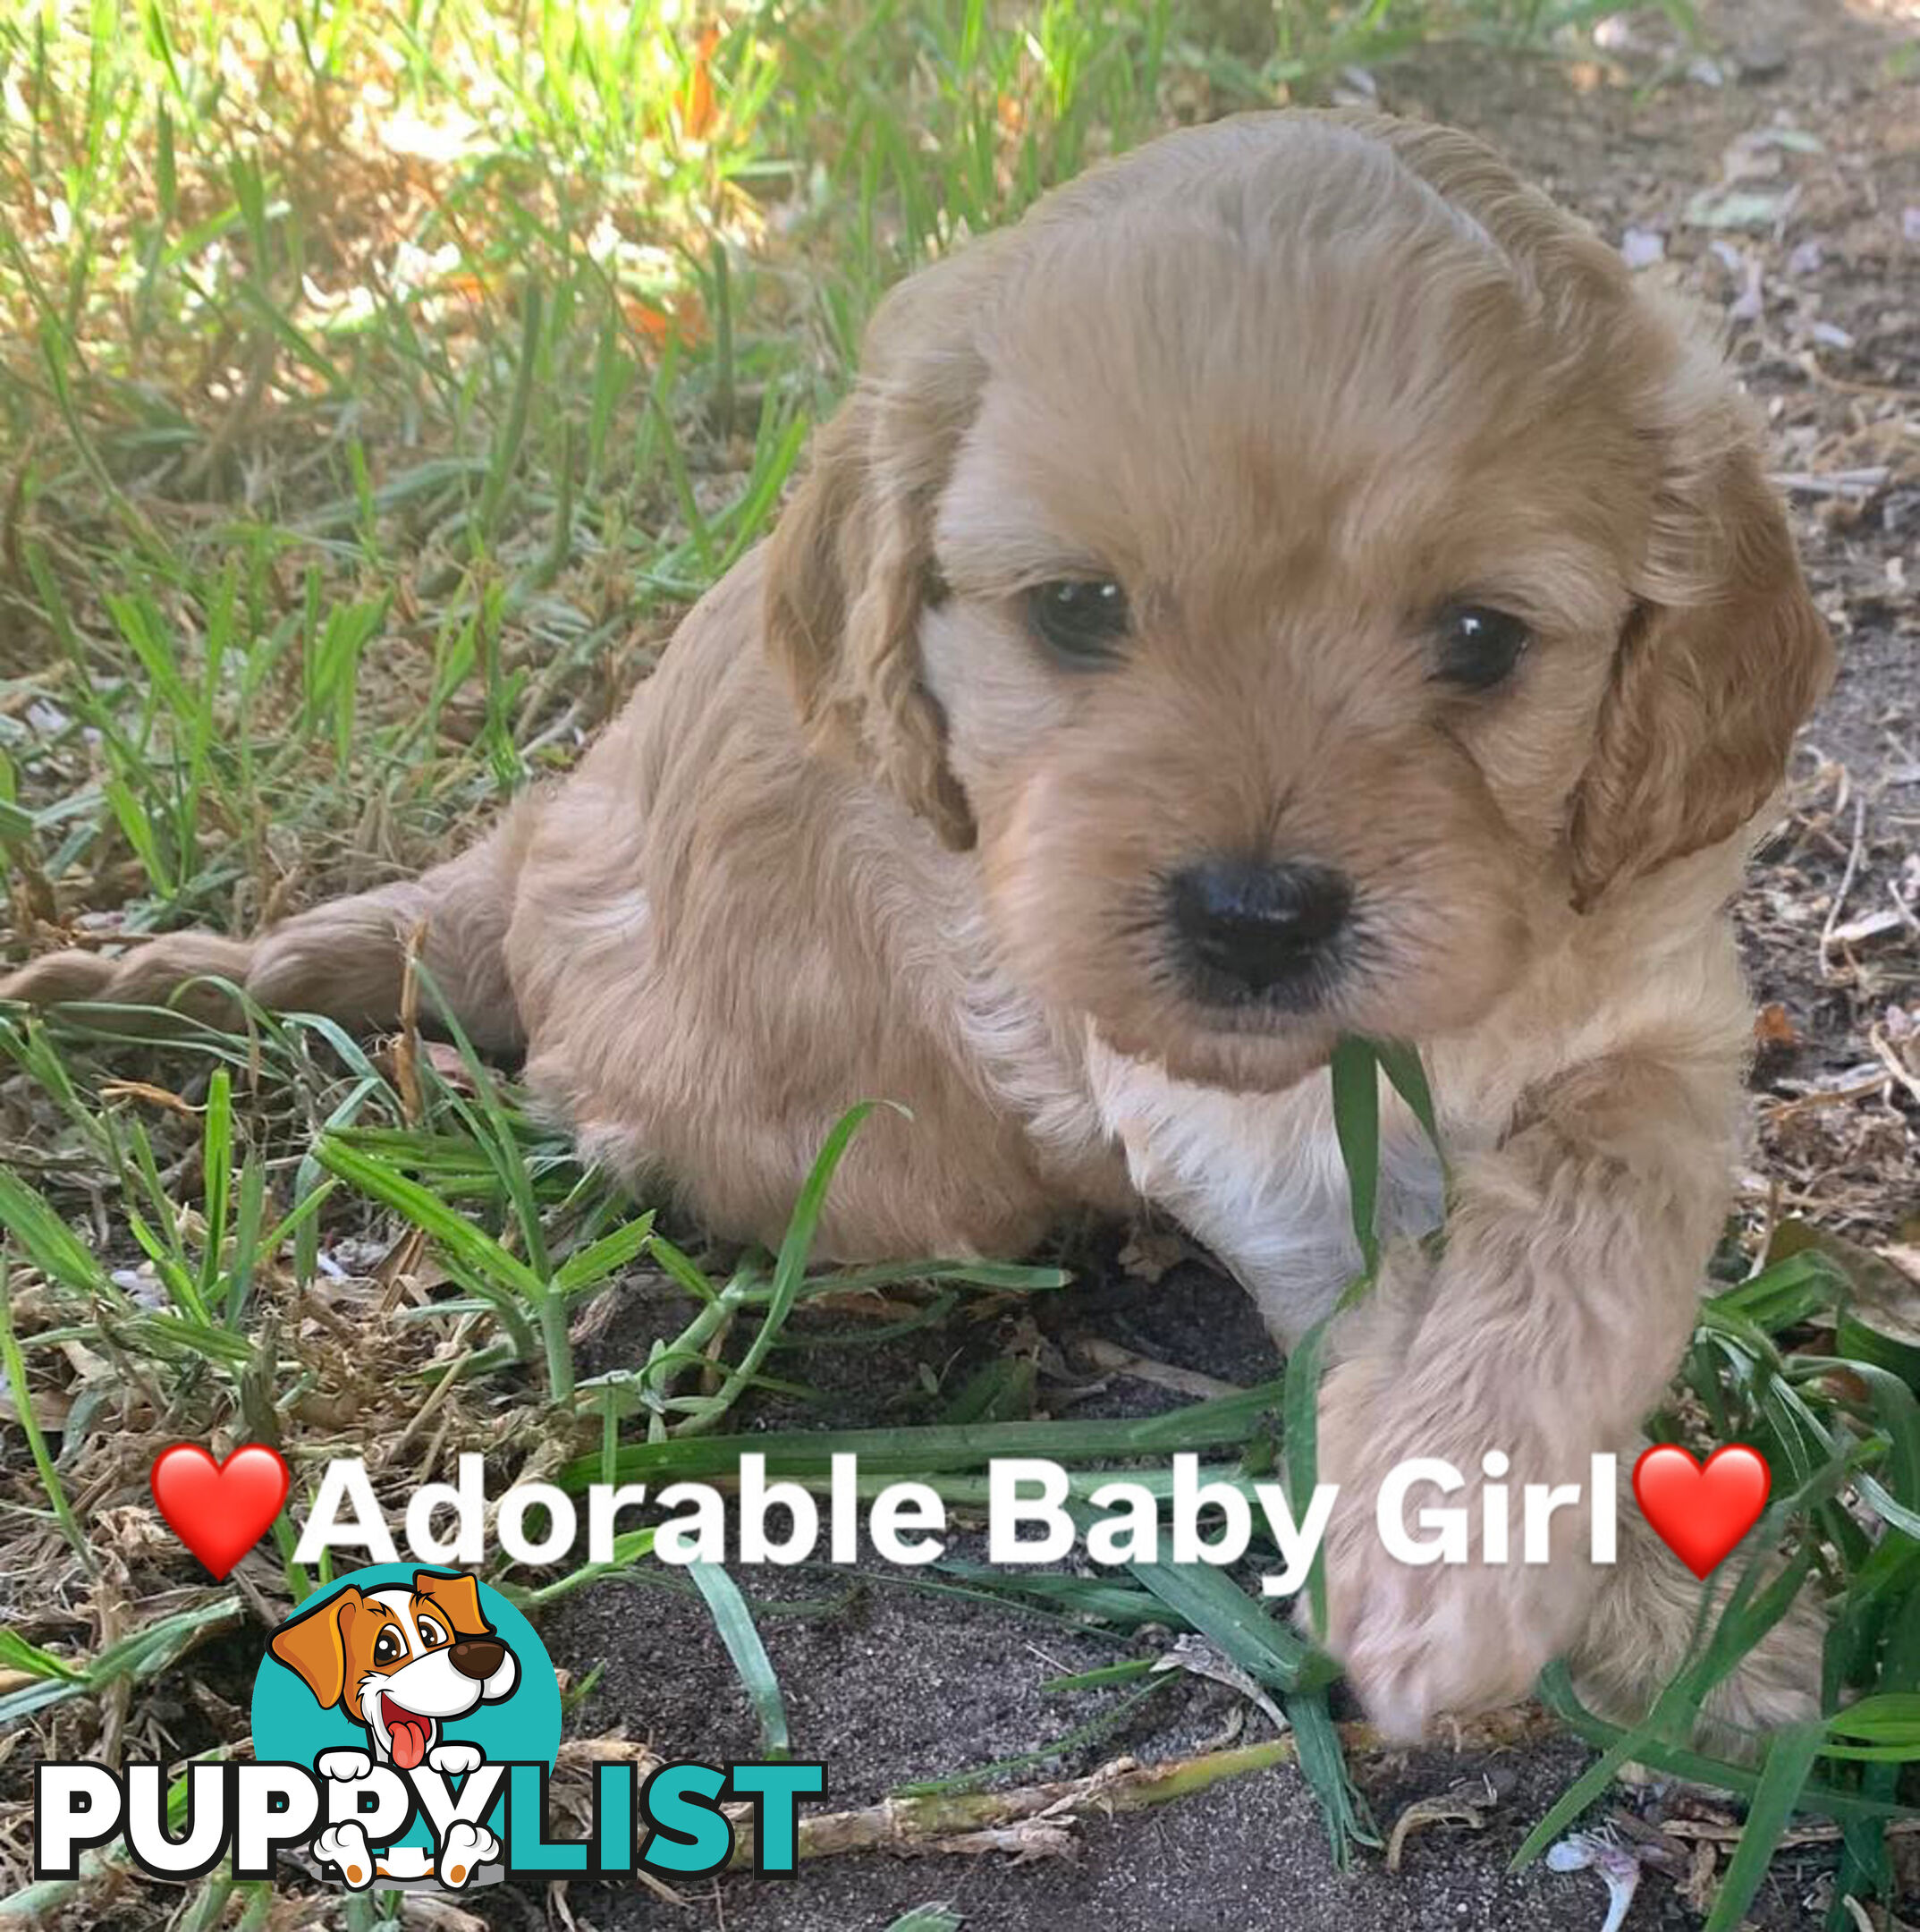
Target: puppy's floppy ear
850, 566
314, 1646
459, 1596
1725, 655
1719, 664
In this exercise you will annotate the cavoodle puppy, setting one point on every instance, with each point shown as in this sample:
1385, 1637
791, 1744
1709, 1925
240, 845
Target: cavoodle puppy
1293, 583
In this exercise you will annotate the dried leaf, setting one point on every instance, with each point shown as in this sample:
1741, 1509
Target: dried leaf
697, 99
1884, 1295
1905, 1258
51, 1408
1737, 207
1466, 1803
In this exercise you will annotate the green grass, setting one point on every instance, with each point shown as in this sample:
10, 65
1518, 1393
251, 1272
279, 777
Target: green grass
377, 385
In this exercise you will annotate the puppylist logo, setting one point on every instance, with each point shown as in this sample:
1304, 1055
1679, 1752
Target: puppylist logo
405, 1723
400, 1671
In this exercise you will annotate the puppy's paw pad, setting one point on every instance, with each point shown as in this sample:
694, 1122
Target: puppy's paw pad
454, 1760
344, 1848
463, 1850
343, 1766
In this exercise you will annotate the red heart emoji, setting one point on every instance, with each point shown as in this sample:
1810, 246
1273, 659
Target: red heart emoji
220, 1510
1700, 1512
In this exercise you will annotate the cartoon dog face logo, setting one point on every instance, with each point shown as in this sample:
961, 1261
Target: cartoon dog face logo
401, 1662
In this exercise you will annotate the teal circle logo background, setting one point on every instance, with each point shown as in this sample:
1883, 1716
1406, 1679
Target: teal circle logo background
290, 1726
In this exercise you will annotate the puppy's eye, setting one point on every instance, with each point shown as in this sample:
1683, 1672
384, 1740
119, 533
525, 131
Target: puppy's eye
430, 1631
1479, 647
1081, 620
387, 1646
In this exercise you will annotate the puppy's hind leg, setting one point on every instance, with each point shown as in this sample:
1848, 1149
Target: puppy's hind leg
346, 960
1646, 1619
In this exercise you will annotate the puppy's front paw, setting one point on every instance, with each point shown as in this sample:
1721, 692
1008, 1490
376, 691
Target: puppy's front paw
1778, 1682
454, 1760
1645, 1624
463, 1850
1418, 1639
344, 1848
343, 1766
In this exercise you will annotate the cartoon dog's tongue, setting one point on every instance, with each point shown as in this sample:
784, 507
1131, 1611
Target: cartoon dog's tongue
409, 1734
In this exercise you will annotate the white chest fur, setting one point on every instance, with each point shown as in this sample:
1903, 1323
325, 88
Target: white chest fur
1259, 1178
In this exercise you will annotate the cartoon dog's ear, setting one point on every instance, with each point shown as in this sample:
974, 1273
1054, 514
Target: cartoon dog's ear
458, 1597
314, 1646
850, 566
1717, 669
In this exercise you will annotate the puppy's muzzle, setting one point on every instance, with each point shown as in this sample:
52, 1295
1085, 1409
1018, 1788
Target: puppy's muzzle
477, 1657
1246, 931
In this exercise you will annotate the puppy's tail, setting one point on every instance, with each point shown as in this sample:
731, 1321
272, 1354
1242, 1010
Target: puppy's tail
346, 959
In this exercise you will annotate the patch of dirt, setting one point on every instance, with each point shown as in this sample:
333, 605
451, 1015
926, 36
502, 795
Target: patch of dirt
889, 1684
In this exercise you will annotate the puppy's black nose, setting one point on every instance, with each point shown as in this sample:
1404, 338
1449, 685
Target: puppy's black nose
477, 1657
1246, 928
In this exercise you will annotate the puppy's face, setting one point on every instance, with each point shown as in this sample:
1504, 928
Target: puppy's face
1282, 593
1289, 547
418, 1669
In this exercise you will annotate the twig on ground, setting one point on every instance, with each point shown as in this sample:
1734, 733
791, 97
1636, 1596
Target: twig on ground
1846, 885
1111, 1359
915, 1826
1855, 485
